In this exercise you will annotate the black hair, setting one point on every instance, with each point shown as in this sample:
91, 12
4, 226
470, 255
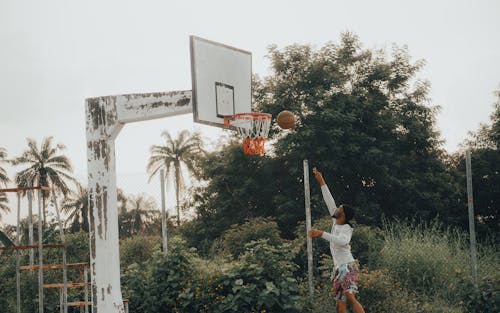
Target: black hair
348, 212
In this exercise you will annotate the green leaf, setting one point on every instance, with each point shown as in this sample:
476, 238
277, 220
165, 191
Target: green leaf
6, 240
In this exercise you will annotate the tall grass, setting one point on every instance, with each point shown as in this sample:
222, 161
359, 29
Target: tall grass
433, 261
420, 267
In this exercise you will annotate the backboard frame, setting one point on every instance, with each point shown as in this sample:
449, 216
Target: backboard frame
238, 107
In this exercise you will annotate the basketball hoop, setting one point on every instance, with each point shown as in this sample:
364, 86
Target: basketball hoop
253, 128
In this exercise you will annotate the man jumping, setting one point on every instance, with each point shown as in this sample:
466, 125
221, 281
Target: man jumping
345, 277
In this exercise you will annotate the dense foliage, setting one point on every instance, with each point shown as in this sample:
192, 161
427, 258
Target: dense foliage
365, 120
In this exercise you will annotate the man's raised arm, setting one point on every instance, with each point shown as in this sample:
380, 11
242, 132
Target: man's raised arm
327, 196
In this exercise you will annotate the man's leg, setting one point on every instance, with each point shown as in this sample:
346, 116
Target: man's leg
356, 306
341, 306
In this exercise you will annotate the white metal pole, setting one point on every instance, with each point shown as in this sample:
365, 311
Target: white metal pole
18, 257
163, 212
40, 253
63, 240
30, 223
470, 204
308, 227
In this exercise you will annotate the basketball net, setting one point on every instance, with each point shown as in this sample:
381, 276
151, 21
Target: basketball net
253, 128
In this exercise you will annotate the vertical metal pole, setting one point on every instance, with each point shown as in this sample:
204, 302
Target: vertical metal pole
470, 204
18, 274
63, 240
163, 212
308, 227
30, 224
61, 300
40, 253
86, 281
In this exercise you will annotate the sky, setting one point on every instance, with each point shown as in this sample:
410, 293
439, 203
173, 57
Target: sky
56, 53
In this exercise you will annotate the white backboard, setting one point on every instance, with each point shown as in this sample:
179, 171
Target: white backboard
222, 81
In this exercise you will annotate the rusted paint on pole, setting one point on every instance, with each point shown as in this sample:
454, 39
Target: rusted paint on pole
163, 212
18, 274
307, 197
105, 117
40, 253
470, 205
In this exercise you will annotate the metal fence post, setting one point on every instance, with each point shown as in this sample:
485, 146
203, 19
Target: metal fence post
470, 204
163, 212
308, 227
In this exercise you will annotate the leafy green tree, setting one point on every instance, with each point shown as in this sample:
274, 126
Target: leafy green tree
45, 167
363, 118
238, 188
485, 163
182, 151
363, 123
76, 206
255, 229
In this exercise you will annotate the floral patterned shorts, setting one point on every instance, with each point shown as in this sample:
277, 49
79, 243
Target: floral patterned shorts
345, 279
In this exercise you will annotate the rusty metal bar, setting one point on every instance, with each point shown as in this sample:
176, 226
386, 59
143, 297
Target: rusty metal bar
45, 188
51, 266
61, 285
30, 247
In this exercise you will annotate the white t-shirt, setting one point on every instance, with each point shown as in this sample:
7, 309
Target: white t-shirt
340, 235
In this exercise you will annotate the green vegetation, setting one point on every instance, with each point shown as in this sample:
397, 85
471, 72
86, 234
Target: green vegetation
365, 119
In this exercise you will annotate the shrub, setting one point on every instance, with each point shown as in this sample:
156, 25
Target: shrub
234, 239
261, 281
138, 249
155, 287
484, 298
366, 244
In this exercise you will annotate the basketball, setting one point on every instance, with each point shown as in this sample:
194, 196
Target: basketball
285, 119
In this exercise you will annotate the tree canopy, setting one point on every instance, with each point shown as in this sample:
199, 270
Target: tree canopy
363, 118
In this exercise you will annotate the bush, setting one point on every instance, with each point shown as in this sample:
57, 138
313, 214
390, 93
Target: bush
484, 298
381, 292
234, 239
366, 244
261, 281
138, 249
155, 286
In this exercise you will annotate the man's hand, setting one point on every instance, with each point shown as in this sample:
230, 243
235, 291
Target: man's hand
315, 233
318, 176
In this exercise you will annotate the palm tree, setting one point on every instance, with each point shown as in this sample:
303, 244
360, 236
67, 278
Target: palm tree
139, 212
76, 205
4, 179
181, 151
46, 167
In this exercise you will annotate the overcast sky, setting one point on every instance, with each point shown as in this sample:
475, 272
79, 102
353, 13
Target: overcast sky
54, 54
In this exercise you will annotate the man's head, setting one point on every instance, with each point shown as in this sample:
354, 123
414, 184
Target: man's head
344, 212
